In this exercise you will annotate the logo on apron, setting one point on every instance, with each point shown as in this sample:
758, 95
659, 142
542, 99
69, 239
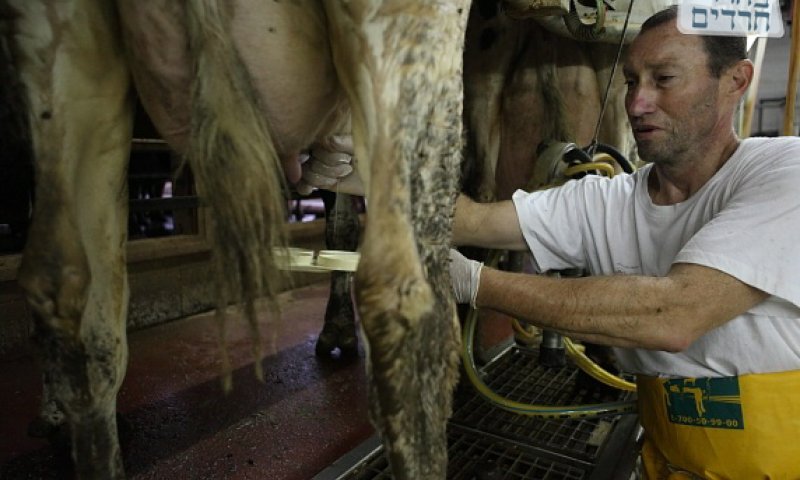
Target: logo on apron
704, 402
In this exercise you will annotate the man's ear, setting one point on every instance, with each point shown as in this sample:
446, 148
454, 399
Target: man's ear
738, 77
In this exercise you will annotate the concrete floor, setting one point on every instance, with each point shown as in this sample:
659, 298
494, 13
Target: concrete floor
176, 423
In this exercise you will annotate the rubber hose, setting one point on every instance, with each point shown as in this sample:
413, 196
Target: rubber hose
533, 410
623, 162
578, 29
581, 31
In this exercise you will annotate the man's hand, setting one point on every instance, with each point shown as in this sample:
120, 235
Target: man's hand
465, 275
327, 165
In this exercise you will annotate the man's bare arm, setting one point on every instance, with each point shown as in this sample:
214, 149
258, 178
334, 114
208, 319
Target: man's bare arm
488, 225
657, 313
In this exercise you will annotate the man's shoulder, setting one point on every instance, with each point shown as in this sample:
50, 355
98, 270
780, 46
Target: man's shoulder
762, 145
763, 154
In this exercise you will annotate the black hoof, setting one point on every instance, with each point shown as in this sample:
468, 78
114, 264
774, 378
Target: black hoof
348, 348
333, 345
325, 345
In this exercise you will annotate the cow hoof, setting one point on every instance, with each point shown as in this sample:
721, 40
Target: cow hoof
348, 348
336, 345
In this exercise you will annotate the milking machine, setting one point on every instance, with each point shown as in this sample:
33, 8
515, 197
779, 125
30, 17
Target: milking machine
557, 163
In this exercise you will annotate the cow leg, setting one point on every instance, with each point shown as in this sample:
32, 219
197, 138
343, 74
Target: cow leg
401, 63
73, 268
341, 233
492, 40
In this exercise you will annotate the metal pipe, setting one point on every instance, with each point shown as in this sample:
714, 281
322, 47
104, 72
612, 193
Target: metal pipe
794, 73
752, 92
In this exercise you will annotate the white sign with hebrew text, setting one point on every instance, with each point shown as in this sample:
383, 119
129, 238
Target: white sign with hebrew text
731, 17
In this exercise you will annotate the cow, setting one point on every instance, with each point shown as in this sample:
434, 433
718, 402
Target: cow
525, 87
240, 88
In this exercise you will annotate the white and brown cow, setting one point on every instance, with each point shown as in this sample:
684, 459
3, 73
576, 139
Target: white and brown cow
240, 87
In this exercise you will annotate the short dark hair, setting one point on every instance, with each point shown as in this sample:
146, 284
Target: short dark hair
721, 51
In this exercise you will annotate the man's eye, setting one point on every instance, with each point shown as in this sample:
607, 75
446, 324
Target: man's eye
665, 78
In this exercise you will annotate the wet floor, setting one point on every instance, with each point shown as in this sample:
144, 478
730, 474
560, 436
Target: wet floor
176, 423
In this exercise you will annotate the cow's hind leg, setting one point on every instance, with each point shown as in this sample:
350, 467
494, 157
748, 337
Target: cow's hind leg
73, 266
401, 65
341, 233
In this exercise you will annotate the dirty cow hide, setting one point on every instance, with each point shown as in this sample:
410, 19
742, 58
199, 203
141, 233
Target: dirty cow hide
241, 87
526, 87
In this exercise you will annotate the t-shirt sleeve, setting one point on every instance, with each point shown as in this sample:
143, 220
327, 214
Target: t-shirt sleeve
553, 223
755, 236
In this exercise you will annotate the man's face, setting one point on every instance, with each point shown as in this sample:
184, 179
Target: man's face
672, 98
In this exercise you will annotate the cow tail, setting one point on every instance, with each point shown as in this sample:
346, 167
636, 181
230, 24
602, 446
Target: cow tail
237, 173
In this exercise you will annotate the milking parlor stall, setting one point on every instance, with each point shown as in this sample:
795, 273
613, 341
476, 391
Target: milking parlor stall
136, 342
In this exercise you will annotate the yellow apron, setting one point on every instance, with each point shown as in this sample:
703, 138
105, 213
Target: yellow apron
737, 428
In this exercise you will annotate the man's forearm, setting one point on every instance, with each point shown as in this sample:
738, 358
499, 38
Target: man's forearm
590, 309
626, 311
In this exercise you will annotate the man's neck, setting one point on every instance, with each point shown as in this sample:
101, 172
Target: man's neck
676, 182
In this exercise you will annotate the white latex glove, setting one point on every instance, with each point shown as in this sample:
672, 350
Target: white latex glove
326, 166
465, 275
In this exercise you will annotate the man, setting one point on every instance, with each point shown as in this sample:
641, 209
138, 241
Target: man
706, 306
696, 281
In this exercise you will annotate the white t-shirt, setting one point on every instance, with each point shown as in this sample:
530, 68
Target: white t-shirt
745, 222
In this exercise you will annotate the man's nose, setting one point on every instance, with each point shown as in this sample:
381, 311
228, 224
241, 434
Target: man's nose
640, 100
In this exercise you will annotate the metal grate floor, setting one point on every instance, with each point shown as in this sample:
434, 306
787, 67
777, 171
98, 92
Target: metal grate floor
487, 443
475, 457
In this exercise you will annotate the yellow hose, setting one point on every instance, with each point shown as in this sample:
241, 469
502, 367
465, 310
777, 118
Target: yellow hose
587, 167
576, 353
594, 370
605, 158
540, 411
526, 333
602, 165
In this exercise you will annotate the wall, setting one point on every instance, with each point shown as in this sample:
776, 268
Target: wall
773, 84
169, 278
